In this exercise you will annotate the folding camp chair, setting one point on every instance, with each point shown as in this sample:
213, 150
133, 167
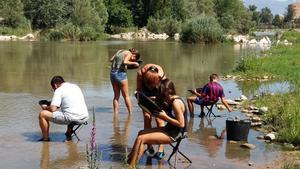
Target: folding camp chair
209, 107
176, 150
75, 130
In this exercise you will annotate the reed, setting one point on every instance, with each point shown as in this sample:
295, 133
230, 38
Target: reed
92, 150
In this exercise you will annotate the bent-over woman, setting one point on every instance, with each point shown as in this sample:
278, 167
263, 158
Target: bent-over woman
118, 75
148, 80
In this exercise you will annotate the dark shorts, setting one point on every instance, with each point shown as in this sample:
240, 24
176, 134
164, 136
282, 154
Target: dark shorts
173, 134
118, 76
199, 100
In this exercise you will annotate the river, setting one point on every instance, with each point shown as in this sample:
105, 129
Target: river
27, 67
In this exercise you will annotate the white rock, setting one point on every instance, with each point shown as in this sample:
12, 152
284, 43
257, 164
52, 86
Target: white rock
243, 97
248, 145
252, 41
221, 107
176, 36
270, 136
263, 110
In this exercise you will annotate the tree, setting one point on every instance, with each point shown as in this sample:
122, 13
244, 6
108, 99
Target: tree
195, 8
101, 9
85, 14
45, 13
290, 14
255, 14
118, 14
233, 16
12, 12
266, 16
277, 21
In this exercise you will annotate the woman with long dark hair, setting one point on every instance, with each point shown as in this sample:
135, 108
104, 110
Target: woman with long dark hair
173, 112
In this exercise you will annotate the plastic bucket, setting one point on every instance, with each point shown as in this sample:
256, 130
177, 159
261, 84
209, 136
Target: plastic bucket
237, 130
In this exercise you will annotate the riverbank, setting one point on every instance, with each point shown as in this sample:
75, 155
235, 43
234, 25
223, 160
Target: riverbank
282, 62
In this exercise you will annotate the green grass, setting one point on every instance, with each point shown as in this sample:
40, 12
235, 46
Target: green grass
291, 36
283, 62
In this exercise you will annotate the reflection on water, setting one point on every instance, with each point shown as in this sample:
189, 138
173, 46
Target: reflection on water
27, 67
70, 160
234, 152
202, 134
119, 139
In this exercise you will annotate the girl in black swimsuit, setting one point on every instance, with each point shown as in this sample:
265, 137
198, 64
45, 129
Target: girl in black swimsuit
174, 113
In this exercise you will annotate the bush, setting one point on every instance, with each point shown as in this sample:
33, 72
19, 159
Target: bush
202, 29
155, 25
87, 34
70, 31
118, 29
55, 35
169, 26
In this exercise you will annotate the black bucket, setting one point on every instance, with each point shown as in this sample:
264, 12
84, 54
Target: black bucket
237, 130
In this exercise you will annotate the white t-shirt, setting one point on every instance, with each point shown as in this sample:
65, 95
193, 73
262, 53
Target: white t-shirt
71, 101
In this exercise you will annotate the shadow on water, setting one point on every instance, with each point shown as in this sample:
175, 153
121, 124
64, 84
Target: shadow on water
54, 136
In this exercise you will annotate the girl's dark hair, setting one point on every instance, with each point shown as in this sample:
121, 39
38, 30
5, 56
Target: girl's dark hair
57, 80
166, 91
135, 52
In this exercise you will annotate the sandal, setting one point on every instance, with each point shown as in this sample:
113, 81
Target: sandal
159, 155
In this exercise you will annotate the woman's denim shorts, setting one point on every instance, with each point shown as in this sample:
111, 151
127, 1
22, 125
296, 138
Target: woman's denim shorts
118, 76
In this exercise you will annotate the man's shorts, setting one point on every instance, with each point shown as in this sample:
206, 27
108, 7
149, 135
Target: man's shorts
59, 117
199, 100
118, 76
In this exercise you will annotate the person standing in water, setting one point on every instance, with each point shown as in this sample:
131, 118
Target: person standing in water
118, 75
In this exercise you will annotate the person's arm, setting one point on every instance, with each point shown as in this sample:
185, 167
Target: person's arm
178, 111
127, 61
223, 100
139, 80
113, 57
52, 108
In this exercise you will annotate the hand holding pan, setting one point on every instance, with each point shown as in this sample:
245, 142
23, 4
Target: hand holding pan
135, 66
147, 104
44, 103
197, 89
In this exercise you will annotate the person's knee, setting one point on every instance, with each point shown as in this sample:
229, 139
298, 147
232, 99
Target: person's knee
45, 114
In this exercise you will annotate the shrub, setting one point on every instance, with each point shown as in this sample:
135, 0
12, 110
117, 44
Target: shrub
118, 29
55, 35
70, 31
201, 29
155, 25
171, 26
87, 34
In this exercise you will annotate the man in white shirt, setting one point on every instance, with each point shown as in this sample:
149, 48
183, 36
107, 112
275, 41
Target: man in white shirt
67, 106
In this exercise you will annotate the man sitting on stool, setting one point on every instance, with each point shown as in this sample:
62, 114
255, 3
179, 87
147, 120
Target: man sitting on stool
210, 93
69, 98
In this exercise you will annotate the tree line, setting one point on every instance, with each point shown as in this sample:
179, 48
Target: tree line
196, 20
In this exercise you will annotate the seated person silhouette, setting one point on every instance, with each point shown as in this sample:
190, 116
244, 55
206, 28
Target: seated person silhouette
209, 94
